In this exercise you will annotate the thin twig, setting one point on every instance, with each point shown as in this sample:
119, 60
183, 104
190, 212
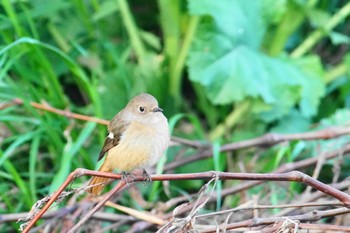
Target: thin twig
261, 207
266, 140
183, 224
314, 196
249, 184
324, 227
107, 197
295, 176
311, 216
65, 113
52, 199
191, 143
69, 114
287, 167
148, 217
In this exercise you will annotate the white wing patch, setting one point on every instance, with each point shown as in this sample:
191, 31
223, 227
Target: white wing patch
110, 135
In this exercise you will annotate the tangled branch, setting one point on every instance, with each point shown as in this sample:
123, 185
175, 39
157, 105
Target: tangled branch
283, 173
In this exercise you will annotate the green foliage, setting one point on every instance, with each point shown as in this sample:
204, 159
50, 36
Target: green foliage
226, 59
222, 70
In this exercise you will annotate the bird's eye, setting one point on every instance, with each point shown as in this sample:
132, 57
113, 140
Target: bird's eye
141, 109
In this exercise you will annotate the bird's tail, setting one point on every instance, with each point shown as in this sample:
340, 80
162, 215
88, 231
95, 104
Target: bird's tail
99, 183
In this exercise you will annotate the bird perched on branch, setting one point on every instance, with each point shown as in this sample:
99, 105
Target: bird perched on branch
137, 137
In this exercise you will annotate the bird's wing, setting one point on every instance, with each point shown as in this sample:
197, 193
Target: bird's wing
116, 128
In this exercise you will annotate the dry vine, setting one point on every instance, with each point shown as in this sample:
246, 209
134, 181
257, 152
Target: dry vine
191, 208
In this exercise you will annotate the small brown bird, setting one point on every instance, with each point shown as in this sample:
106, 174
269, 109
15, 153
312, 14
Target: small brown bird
138, 136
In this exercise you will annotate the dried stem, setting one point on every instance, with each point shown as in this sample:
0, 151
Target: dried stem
262, 207
65, 113
108, 196
266, 140
295, 176
311, 216
263, 141
283, 169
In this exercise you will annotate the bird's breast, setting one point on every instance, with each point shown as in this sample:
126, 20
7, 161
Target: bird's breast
140, 146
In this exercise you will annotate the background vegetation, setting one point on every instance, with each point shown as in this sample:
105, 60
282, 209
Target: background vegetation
223, 71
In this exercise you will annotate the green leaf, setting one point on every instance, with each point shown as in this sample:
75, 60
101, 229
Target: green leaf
107, 8
219, 160
20, 183
339, 38
294, 122
339, 118
233, 77
41, 9
19, 140
151, 40
318, 18
71, 149
230, 67
312, 84
273, 11
235, 19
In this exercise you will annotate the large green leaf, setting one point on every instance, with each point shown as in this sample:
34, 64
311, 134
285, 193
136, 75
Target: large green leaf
312, 84
225, 59
237, 20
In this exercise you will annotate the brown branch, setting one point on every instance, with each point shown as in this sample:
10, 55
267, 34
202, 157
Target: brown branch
266, 140
263, 207
64, 211
311, 216
314, 196
248, 184
7, 105
191, 143
271, 139
263, 141
14, 217
50, 201
108, 196
324, 227
65, 113
295, 176
239, 188
146, 216
69, 114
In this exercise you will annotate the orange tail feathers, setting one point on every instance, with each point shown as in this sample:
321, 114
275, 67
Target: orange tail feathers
99, 183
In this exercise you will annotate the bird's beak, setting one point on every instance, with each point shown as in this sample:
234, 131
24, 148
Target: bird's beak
157, 109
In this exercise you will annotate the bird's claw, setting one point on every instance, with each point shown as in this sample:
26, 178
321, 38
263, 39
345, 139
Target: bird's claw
146, 176
127, 177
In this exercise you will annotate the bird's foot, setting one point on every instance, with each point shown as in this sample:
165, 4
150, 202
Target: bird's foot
128, 177
146, 176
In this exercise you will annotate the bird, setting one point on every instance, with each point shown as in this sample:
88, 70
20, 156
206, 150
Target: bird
137, 138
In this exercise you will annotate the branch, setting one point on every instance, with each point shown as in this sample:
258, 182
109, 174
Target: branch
264, 207
295, 176
63, 212
246, 185
283, 169
108, 196
311, 216
48, 108
314, 196
263, 141
266, 140
324, 227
